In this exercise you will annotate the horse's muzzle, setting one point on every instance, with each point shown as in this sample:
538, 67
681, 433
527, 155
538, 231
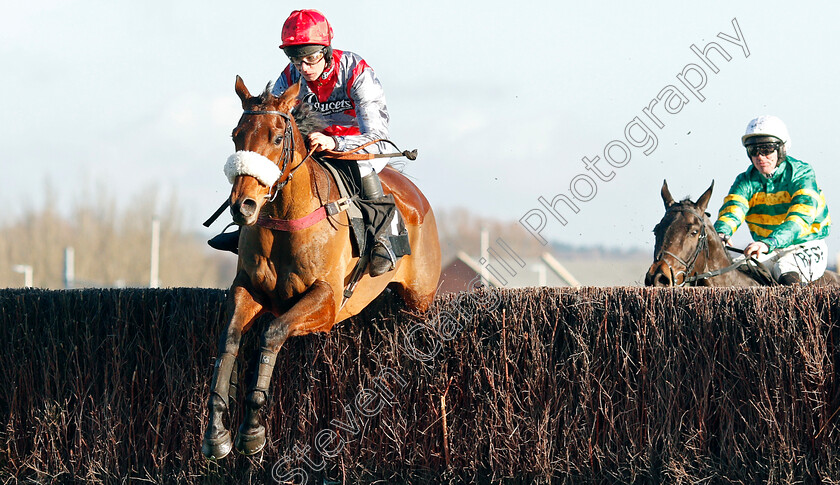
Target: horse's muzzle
244, 211
659, 275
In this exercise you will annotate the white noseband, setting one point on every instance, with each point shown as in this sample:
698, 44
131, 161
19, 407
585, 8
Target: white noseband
253, 164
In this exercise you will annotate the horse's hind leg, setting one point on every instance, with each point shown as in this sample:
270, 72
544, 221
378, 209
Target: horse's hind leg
315, 311
243, 309
417, 278
416, 299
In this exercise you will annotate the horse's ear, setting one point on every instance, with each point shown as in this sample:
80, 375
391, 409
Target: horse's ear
703, 201
289, 98
666, 195
241, 90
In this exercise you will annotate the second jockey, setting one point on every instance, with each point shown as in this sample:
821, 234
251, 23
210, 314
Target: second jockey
784, 208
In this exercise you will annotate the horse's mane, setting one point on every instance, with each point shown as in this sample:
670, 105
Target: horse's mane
307, 119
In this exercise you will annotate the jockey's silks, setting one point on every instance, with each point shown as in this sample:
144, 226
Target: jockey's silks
783, 209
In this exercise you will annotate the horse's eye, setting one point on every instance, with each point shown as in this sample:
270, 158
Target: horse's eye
695, 232
278, 140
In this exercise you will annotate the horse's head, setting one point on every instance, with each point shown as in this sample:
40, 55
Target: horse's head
266, 139
681, 240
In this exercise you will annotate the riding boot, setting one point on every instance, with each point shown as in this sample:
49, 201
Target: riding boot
790, 279
226, 241
382, 258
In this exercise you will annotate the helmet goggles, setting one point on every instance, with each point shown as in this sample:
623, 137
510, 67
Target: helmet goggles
762, 149
309, 60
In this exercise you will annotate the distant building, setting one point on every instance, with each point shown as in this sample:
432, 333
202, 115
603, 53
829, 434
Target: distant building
527, 272
501, 266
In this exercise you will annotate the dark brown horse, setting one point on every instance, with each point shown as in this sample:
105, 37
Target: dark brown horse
688, 251
299, 275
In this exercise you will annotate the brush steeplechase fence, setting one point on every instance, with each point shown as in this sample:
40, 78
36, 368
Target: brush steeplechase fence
562, 385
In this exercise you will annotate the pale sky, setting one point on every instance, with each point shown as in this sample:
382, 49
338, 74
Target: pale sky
502, 99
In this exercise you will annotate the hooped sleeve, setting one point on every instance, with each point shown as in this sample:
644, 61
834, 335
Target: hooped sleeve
735, 206
371, 112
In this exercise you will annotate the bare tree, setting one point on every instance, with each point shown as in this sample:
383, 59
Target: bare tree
111, 244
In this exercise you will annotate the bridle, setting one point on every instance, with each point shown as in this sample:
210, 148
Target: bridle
702, 246
285, 156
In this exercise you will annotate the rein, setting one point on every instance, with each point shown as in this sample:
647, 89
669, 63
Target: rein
285, 159
319, 214
717, 272
775, 256
325, 210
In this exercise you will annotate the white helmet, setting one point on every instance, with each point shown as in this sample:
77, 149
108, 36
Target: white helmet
764, 126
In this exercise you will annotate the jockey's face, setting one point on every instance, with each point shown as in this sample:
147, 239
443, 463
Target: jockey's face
765, 164
313, 71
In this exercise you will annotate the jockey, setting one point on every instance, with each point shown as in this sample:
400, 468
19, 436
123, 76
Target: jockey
343, 88
782, 204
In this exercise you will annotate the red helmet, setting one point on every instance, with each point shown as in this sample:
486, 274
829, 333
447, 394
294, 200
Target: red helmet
306, 27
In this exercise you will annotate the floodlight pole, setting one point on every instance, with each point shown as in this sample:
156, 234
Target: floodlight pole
154, 273
69, 267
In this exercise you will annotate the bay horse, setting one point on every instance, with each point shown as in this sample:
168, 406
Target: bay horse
688, 251
298, 275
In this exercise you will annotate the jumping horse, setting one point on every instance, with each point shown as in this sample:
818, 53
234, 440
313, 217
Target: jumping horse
688, 251
298, 273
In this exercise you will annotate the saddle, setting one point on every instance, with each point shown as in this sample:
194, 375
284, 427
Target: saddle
756, 269
758, 272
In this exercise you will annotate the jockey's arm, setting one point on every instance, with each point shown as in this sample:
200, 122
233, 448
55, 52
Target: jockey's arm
371, 114
734, 209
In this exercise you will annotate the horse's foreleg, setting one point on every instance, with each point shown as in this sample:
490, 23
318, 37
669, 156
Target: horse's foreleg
243, 309
314, 311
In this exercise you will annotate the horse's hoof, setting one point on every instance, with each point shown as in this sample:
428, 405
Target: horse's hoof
250, 443
217, 448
